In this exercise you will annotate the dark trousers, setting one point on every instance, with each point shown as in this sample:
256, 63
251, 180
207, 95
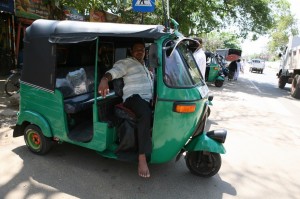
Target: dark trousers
143, 112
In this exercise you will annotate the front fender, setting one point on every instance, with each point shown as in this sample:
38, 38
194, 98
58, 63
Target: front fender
204, 143
220, 78
36, 119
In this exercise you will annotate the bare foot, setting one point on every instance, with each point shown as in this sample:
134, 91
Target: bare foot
143, 169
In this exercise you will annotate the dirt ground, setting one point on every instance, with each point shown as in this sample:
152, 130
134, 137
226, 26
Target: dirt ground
8, 107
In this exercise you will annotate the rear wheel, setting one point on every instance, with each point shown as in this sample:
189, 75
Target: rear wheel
295, 88
204, 164
282, 82
36, 141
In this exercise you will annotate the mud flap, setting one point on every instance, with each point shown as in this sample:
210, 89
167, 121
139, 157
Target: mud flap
204, 143
220, 78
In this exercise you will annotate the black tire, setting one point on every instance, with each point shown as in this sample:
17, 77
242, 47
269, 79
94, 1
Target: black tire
282, 82
36, 141
295, 88
218, 83
12, 84
203, 164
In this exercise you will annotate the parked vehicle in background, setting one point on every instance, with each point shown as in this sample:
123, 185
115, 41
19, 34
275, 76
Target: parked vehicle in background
214, 71
289, 69
12, 83
257, 65
228, 55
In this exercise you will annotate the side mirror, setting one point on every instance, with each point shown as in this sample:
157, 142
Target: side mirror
279, 55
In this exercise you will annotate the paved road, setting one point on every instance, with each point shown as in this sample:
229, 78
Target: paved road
262, 159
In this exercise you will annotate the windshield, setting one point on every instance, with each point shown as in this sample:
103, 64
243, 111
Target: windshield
212, 60
180, 69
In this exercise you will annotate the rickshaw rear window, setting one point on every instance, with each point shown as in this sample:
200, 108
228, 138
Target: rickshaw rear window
75, 68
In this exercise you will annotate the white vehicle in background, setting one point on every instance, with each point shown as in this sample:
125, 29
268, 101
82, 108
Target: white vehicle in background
257, 65
289, 70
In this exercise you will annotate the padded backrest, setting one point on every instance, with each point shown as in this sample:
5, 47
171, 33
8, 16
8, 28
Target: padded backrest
121, 53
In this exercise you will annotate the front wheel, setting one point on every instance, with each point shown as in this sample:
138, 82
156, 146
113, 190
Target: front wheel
282, 82
202, 163
218, 83
36, 141
12, 84
295, 88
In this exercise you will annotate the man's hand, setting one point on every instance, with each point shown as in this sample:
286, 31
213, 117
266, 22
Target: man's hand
103, 88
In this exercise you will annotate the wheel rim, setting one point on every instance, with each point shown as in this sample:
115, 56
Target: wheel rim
203, 165
33, 139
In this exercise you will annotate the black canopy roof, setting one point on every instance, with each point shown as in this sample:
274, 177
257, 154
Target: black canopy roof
76, 31
43, 35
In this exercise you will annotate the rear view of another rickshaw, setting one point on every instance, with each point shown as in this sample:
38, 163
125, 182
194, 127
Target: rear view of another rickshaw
214, 71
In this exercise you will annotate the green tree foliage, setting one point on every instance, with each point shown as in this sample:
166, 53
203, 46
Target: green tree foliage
199, 17
216, 40
284, 26
194, 16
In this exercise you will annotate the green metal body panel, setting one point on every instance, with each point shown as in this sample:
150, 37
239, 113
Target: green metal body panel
171, 130
43, 109
46, 110
204, 143
35, 118
220, 78
213, 72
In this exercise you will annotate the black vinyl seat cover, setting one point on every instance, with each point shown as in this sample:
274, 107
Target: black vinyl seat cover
78, 103
77, 89
120, 110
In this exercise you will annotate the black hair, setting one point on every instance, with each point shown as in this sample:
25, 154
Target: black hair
198, 39
137, 42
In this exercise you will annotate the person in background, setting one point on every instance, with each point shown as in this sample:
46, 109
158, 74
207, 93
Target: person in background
137, 94
200, 57
232, 70
238, 70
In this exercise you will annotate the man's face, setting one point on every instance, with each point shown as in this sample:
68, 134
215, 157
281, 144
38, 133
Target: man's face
138, 52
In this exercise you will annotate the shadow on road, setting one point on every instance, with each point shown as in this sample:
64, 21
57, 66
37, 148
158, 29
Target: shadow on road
81, 173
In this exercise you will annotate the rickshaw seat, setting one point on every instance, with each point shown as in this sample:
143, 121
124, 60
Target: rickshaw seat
79, 102
124, 113
83, 99
120, 110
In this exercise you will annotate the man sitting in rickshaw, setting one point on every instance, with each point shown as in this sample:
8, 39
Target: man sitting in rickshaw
137, 93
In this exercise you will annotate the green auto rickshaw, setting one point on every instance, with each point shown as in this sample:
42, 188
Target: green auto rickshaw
214, 70
63, 63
